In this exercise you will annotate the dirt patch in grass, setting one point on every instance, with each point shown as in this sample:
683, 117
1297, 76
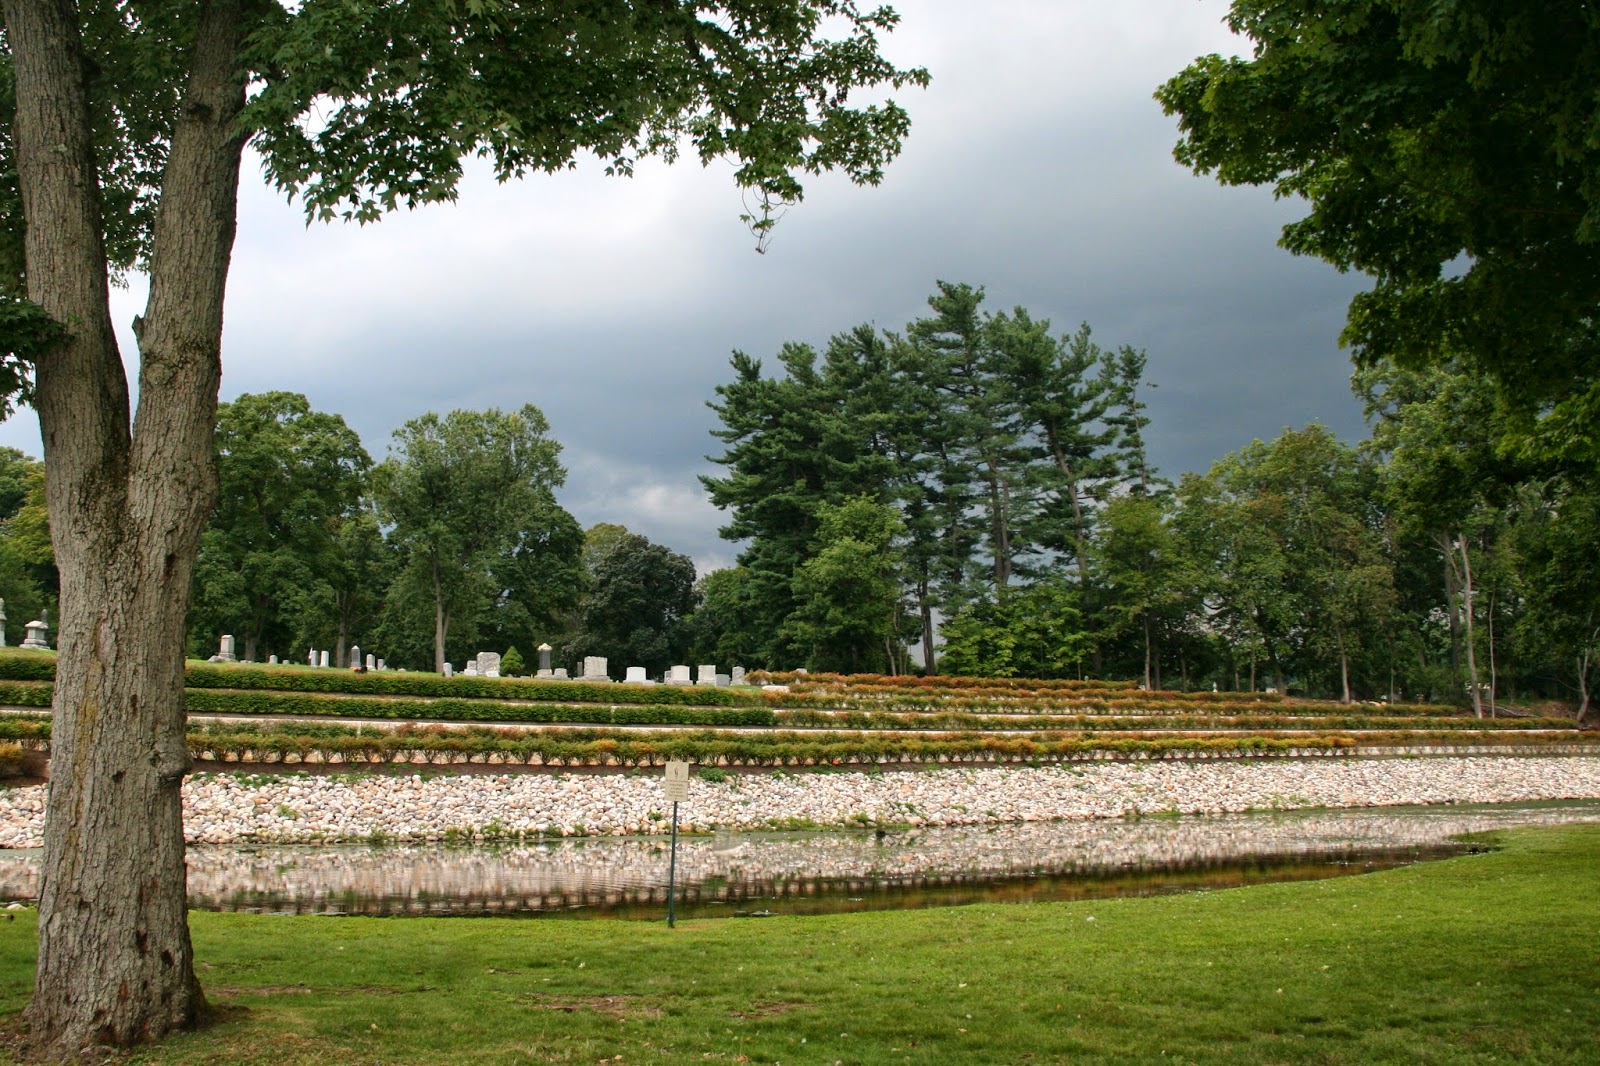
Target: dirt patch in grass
769, 1010
611, 1006
234, 991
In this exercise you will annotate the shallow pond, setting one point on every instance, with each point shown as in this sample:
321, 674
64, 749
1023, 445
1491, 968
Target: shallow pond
756, 874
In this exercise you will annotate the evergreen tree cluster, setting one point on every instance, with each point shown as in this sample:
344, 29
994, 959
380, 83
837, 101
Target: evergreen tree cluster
980, 487
956, 470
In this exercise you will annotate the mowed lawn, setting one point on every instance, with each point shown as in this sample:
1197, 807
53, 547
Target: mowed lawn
1483, 958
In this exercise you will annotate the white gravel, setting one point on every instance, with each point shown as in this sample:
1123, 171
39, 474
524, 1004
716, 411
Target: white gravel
228, 808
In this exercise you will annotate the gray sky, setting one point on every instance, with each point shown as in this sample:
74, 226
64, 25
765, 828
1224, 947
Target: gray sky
1038, 166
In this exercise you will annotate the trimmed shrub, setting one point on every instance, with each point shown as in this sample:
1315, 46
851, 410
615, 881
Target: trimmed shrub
19, 665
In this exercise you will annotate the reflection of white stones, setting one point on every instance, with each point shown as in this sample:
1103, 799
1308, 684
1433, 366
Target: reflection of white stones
556, 874
300, 809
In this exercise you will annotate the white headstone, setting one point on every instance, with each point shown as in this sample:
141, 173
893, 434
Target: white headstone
707, 675
724, 680
311, 657
449, 671
372, 661
679, 676
595, 668
636, 675
489, 663
738, 675
38, 634
380, 664
322, 658
354, 660
561, 674
272, 660
225, 653
471, 669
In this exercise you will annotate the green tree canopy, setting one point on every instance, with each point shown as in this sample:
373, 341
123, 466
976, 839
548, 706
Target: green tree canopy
288, 477
723, 627
1290, 536
1560, 545
1037, 631
638, 603
848, 591
1445, 150
460, 493
28, 582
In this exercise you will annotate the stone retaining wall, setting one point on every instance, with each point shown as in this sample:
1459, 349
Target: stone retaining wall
299, 808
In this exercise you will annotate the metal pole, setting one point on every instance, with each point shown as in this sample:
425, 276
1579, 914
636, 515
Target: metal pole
672, 869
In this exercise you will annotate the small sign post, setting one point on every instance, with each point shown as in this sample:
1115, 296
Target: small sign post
676, 783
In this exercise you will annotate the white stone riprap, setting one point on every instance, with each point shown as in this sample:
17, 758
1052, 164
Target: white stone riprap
225, 808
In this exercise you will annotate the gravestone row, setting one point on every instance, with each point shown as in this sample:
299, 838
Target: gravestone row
595, 668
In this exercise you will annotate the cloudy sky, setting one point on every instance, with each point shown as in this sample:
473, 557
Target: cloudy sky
1038, 166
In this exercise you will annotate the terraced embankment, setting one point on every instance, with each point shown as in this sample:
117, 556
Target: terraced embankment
271, 716
1088, 749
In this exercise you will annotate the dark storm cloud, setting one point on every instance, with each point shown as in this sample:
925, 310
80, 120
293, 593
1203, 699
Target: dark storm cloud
1038, 167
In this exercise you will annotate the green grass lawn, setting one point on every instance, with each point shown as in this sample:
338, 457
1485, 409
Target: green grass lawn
1483, 958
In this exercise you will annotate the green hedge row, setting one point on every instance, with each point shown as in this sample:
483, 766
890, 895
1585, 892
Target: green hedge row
916, 682
1137, 703
588, 747
18, 665
26, 693
270, 703
393, 683
32, 730
303, 741
222, 701
39, 666
810, 719
581, 747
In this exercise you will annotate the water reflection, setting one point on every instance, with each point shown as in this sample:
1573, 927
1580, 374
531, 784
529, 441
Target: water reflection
814, 872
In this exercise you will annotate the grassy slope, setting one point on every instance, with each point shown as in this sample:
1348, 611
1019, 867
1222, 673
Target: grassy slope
1486, 958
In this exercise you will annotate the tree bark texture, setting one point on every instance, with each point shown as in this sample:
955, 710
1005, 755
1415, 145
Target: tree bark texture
126, 505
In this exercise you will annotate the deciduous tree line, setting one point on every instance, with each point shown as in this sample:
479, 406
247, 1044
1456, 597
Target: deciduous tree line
974, 482
979, 486
453, 544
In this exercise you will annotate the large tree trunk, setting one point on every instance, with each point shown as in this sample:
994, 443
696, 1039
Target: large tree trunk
126, 511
